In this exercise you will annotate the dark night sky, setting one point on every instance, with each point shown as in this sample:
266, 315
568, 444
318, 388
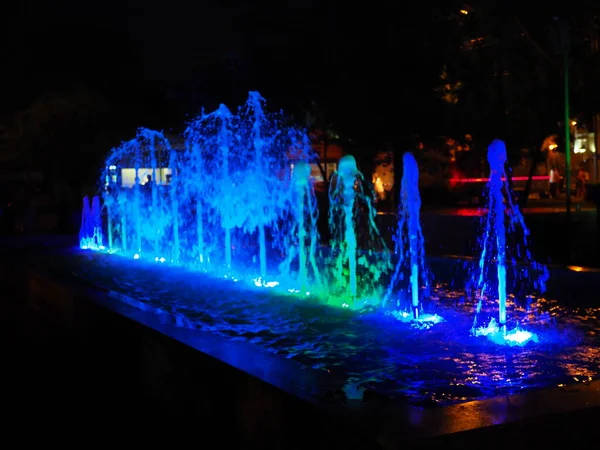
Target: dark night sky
351, 58
364, 65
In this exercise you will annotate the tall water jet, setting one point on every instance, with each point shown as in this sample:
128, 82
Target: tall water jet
348, 204
158, 151
409, 242
174, 191
137, 195
209, 202
140, 209
345, 180
504, 230
497, 160
224, 140
114, 204
197, 192
301, 236
109, 201
255, 103
85, 231
267, 142
90, 233
109, 227
97, 221
211, 175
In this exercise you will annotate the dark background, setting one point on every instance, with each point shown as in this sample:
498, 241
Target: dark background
78, 78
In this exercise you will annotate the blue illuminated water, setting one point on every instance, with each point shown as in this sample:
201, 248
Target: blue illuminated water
237, 199
90, 233
357, 271
342, 197
206, 177
229, 202
142, 219
220, 233
301, 238
222, 202
438, 365
503, 231
411, 273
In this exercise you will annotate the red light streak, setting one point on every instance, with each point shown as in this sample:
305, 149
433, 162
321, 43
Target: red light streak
485, 180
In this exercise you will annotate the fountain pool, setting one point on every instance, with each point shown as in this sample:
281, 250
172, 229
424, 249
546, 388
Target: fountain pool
369, 351
222, 236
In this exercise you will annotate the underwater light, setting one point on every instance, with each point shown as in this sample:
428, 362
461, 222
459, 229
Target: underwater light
515, 337
424, 321
90, 244
259, 282
519, 336
405, 316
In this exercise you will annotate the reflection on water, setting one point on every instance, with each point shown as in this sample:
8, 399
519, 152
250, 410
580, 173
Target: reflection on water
440, 365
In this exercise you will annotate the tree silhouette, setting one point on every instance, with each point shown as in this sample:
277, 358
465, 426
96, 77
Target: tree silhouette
64, 133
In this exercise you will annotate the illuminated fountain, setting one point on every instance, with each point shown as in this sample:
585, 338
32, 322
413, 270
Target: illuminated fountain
255, 108
227, 192
351, 209
236, 174
342, 198
207, 180
90, 233
265, 161
503, 221
234, 209
237, 199
410, 251
301, 239
143, 216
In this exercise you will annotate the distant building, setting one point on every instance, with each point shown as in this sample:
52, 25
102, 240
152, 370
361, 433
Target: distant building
123, 173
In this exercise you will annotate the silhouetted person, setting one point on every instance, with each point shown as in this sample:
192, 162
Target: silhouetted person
147, 186
553, 182
582, 178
